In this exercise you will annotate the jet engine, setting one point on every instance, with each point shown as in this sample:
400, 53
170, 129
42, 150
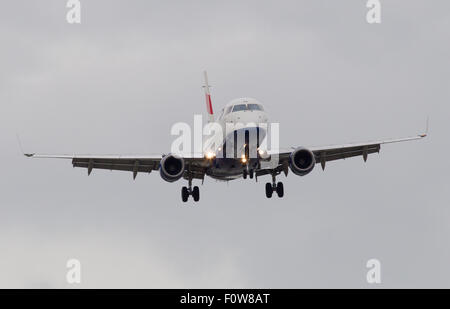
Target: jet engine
171, 168
302, 161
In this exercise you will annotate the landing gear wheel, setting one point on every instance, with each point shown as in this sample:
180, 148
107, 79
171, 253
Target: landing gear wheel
244, 174
184, 194
196, 194
269, 190
280, 189
251, 173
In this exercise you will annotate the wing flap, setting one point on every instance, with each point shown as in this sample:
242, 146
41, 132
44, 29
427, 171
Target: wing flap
343, 153
144, 166
324, 154
195, 166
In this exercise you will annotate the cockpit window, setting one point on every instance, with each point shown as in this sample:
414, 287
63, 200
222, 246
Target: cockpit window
255, 107
240, 107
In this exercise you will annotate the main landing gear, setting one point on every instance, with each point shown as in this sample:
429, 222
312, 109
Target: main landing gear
186, 191
274, 187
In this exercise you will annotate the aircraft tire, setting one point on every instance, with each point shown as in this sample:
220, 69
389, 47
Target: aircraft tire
269, 190
184, 194
280, 189
196, 194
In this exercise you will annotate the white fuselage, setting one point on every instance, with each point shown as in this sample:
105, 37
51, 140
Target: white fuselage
243, 123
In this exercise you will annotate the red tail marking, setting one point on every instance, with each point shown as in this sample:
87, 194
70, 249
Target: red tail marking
209, 104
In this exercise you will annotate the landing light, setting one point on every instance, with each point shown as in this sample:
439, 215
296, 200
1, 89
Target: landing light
210, 155
243, 158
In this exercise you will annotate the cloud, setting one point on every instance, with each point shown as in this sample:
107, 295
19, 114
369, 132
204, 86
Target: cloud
117, 82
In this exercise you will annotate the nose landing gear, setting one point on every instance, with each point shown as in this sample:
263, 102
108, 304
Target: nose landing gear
248, 172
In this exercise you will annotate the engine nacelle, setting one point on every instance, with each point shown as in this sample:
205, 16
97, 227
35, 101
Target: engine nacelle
302, 161
171, 168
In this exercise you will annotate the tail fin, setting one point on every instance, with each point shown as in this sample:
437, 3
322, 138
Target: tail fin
209, 108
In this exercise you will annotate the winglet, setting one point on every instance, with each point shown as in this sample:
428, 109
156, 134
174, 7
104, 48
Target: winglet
426, 129
28, 155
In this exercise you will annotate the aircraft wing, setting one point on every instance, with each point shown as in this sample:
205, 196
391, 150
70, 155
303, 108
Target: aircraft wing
335, 152
132, 163
324, 154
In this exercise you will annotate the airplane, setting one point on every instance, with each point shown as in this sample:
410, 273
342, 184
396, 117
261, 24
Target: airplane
224, 158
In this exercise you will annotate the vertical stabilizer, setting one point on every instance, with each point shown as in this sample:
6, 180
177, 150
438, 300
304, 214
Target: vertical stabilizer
209, 108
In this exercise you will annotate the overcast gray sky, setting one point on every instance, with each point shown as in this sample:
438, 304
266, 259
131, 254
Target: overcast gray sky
118, 81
